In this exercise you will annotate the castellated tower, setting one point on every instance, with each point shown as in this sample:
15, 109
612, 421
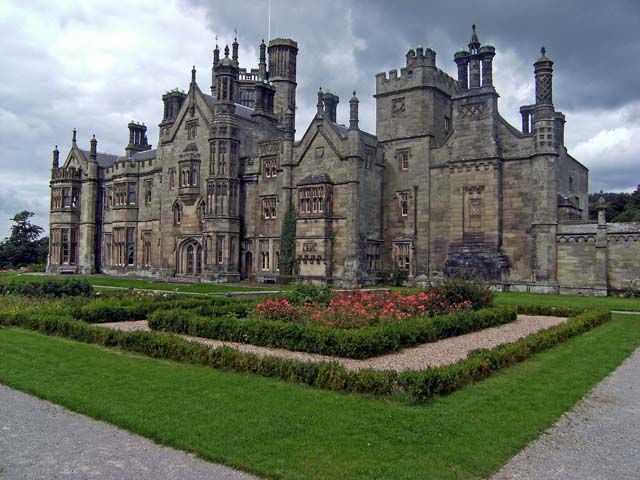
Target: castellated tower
222, 222
283, 53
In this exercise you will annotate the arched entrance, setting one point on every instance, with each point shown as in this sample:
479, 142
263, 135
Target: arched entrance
190, 258
248, 265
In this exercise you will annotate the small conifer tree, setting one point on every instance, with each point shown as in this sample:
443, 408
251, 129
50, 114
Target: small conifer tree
288, 246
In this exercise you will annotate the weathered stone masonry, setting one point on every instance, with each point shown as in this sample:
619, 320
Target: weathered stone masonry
446, 187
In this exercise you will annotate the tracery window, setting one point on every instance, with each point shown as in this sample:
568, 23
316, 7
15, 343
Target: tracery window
131, 193
146, 249
264, 255
269, 207
311, 200
403, 198
374, 255
192, 129
177, 214
172, 178
402, 255
147, 192
269, 167
131, 245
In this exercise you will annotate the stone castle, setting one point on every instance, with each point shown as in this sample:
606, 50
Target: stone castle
445, 188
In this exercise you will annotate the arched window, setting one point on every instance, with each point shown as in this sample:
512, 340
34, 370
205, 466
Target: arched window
190, 260
177, 214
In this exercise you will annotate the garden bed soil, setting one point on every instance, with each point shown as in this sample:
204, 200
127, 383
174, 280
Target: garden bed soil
435, 354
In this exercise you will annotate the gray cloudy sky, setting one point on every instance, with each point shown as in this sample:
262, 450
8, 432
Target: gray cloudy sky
97, 64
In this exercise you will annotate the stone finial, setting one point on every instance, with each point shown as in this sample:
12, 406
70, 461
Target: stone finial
226, 51
474, 44
320, 104
216, 54
235, 48
353, 112
75, 133
93, 152
193, 74
543, 51
56, 157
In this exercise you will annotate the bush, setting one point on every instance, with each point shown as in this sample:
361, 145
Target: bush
456, 291
416, 385
68, 287
355, 343
303, 293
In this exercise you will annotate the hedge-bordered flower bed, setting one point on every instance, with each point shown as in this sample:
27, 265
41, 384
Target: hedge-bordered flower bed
358, 343
416, 386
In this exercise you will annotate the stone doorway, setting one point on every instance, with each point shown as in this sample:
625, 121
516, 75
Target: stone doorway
190, 259
248, 265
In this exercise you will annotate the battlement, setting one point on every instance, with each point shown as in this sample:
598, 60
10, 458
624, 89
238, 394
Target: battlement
418, 74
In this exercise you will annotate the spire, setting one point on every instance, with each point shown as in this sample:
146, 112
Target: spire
93, 153
56, 157
353, 112
193, 74
320, 104
474, 44
73, 139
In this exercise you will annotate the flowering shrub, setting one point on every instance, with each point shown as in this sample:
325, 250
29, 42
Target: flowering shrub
361, 308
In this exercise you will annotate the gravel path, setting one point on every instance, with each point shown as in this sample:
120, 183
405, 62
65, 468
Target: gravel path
598, 440
438, 353
41, 440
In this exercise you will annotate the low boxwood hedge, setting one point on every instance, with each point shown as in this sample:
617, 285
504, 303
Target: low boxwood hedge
136, 307
358, 343
416, 385
49, 287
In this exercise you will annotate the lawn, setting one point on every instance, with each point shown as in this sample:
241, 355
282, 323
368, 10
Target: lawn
109, 281
572, 301
280, 430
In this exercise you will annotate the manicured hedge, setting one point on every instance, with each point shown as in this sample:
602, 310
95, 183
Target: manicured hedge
359, 343
416, 386
127, 307
68, 287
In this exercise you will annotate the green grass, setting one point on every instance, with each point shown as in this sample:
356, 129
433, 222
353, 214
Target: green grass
572, 301
279, 430
108, 281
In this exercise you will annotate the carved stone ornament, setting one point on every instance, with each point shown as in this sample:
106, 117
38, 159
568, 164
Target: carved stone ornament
397, 105
472, 110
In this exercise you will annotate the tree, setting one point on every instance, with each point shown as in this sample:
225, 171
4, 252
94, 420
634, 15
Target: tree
288, 245
24, 246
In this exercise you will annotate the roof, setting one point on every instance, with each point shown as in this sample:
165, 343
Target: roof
241, 110
146, 155
103, 159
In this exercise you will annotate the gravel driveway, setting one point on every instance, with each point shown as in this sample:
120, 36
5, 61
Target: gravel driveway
40, 440
433, 354
598, 440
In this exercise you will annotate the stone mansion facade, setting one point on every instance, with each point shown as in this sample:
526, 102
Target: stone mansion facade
445, 188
